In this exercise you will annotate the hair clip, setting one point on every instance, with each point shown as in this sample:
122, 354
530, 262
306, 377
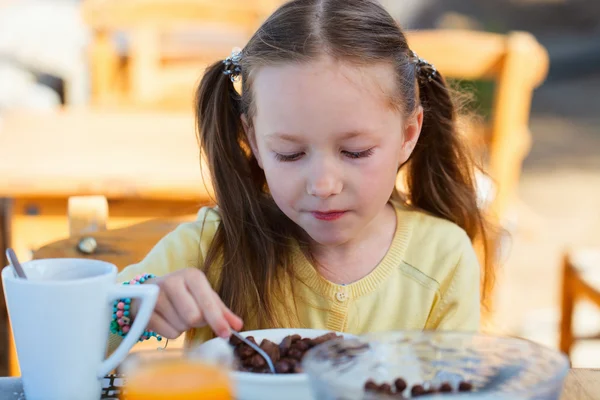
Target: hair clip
423, 67
232, 66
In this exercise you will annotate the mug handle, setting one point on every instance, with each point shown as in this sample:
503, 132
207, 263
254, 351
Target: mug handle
148, 295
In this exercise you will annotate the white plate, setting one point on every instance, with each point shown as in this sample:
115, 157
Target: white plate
252, 386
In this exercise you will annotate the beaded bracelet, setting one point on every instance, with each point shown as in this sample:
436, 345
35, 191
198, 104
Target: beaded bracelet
121, 322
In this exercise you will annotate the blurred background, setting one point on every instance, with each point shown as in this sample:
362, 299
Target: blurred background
97, 135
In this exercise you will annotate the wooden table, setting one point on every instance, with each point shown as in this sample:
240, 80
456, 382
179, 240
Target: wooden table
119, 154
121, 247
582, 384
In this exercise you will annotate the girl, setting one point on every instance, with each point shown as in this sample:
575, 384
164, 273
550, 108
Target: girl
310, 230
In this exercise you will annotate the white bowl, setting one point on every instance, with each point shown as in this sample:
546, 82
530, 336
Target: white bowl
253, 386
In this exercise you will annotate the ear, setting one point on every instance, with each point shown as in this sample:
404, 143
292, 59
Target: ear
249, 130
412, 130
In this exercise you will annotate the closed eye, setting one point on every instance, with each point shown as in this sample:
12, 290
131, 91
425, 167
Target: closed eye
358, 154
349, 154
288, 157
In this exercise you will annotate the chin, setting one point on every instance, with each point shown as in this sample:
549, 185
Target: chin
328, 237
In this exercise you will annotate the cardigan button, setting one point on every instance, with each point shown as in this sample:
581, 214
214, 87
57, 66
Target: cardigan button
341, 297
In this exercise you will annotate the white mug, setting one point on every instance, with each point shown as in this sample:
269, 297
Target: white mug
60, 318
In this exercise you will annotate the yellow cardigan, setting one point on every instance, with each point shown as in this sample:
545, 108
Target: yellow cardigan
429, 279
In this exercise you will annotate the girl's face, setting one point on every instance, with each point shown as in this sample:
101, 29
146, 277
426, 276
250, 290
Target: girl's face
330, 142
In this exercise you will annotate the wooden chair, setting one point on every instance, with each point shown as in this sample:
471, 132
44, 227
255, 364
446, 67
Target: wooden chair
168, 44
517, 64
581, 280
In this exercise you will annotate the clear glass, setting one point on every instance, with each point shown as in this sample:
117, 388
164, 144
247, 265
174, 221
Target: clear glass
339, 369
172, 374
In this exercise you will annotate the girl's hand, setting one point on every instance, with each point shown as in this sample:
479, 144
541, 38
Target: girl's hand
186, 300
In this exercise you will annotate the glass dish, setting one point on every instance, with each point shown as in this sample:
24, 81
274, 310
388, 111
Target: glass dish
339, 369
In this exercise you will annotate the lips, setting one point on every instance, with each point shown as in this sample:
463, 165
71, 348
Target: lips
328, 215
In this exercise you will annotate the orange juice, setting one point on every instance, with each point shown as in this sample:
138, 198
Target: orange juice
178, 380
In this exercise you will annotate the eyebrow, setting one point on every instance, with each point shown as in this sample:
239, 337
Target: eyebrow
297, 139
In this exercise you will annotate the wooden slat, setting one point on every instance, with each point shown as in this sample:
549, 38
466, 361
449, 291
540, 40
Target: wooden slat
580, 281
448, 51
115, 154
5, 214
5, 343
476, 55
588, 337
511, 139
131, 14
104, 67
204, 43
585, 290
567, 307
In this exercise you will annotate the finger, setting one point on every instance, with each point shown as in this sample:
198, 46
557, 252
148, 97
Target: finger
167, 311
234, 321
186, 310
202, 292
159, 325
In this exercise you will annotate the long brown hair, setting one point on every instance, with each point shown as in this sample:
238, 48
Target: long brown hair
251, 248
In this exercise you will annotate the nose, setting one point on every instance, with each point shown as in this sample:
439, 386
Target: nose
324, 180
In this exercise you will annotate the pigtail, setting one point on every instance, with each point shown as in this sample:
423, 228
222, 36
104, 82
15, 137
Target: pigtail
441, 172
219, 127
243, 245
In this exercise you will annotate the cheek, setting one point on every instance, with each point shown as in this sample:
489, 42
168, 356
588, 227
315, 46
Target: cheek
377, 177
284, 182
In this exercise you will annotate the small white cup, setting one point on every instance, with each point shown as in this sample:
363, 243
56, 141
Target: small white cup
60, 318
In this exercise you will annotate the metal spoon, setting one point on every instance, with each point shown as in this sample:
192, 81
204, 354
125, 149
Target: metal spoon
257, 349
503, 375
14, 262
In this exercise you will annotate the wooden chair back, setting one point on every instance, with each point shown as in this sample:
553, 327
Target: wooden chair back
517, 64
167, 45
